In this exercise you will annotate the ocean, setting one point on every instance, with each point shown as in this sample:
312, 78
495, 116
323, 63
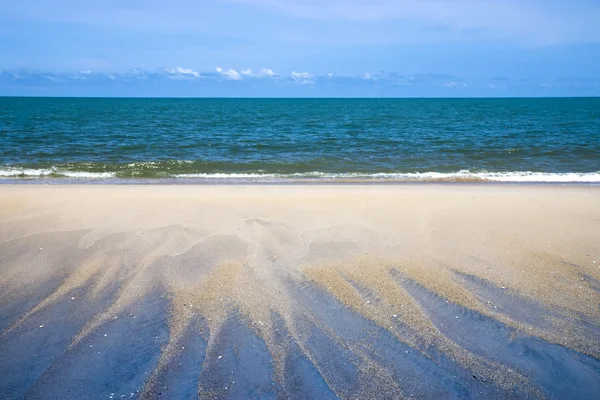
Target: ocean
71, 140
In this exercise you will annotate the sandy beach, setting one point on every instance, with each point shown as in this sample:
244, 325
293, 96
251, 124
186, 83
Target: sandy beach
299, 291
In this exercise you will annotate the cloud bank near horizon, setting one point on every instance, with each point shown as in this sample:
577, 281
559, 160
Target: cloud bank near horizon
182, 81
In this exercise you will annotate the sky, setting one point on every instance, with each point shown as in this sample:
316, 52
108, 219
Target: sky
300, 48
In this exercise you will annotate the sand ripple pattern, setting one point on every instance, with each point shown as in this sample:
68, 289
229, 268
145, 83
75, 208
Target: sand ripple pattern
299, 292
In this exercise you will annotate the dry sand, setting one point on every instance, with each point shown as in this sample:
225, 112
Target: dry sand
299, 291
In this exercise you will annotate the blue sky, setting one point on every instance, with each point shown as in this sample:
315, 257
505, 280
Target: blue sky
398, 48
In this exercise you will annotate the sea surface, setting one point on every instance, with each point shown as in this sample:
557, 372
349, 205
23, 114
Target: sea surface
281, 140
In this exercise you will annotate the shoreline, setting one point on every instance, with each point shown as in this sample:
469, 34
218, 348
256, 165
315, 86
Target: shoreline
173, 172
292, 182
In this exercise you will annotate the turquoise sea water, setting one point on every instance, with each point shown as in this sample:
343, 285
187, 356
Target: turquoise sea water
223, 140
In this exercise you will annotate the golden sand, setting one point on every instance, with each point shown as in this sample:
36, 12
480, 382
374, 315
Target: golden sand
223, 251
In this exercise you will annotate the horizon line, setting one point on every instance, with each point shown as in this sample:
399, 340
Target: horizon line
303, 97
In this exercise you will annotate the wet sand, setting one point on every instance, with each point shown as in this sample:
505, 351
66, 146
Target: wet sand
299, 291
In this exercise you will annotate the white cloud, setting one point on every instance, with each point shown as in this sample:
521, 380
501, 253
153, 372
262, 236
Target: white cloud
301, 75
367, 76
230, 74
454, 84
302, 78
179, 72
137, 72
491, 86
86, 72
330, 74
265, 72
51, 78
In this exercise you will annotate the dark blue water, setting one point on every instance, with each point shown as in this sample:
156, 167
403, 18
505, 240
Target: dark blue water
287, 139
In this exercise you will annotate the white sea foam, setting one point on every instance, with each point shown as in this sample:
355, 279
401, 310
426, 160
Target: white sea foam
463, 175
223, 175
23, 172
88, 175
15, 172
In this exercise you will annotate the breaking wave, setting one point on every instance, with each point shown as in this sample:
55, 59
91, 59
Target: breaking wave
459, 176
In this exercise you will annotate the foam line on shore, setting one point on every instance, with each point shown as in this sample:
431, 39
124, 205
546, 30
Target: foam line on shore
260, 176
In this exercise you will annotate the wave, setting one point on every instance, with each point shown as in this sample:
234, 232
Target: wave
259, 176
15, 172
460, 176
